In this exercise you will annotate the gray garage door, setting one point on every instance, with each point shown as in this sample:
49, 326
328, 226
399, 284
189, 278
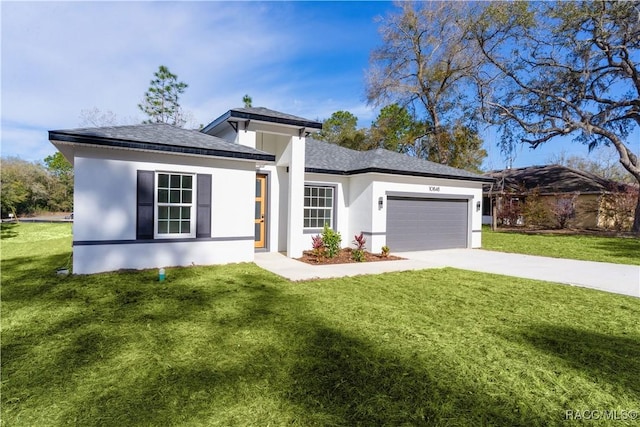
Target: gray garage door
421, 224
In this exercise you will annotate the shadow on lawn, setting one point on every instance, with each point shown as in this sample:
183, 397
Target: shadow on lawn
8, 230
342, 380
613, 359
329, 375
628, 248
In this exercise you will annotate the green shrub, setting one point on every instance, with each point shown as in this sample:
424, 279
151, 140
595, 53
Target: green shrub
331, 241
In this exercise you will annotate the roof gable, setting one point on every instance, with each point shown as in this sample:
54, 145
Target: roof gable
264, 115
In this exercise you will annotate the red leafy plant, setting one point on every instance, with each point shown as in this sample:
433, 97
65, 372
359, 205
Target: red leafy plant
358, 253
318, 245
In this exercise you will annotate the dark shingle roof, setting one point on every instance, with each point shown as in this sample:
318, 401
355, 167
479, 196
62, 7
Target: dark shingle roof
324, 157
264, 115
159, 137
550, 179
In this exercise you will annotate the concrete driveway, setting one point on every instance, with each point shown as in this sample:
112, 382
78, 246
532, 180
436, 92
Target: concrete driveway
615, 278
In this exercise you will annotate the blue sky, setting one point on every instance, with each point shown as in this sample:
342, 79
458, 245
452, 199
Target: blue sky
303, 58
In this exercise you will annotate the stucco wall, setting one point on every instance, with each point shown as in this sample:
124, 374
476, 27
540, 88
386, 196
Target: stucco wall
105, 210
359, 210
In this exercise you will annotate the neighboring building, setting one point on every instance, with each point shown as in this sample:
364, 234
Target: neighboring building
513, 186
252, 180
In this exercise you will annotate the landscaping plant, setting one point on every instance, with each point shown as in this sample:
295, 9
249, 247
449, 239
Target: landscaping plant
318, 245
358, 252
385, 251
331, 241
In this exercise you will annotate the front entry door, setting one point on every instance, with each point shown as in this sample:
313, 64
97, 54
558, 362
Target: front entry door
261, 199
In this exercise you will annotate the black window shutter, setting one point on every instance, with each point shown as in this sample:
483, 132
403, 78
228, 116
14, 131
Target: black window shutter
145, 192
203, 215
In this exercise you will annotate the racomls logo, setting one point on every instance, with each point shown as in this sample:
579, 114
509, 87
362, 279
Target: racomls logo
607, 414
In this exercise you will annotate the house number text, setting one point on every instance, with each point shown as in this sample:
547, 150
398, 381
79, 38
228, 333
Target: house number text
437, 189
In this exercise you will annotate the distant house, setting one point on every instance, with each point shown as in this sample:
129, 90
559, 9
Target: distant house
252, 180
512, 187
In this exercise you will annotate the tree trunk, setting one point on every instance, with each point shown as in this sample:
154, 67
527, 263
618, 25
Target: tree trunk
635, 228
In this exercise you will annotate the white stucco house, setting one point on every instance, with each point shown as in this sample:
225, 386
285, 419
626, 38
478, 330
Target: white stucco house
154, 195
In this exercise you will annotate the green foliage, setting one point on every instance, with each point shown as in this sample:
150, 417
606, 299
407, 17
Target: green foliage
535, 210
61, 190
161, 101
385, 251
394, 129
340, 129
29, 187
331, 241
236, 345
247, 101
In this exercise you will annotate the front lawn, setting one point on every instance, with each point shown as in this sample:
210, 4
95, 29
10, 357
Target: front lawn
236, 345
618, 250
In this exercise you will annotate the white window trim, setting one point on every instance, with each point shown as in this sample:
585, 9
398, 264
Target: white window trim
333, 208
193, 205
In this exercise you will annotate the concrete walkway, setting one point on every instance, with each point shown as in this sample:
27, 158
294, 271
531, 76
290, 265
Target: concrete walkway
615, 278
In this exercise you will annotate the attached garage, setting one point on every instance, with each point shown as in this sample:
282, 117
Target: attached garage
417, 223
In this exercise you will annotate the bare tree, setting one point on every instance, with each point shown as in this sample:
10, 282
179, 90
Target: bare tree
95, 117
564, 68
425, 64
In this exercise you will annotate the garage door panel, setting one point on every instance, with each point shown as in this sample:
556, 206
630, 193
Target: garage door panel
423, 224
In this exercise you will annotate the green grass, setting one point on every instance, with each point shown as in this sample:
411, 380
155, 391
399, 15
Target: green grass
617, 250
236, 345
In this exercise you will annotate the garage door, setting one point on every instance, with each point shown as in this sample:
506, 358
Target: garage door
420, 224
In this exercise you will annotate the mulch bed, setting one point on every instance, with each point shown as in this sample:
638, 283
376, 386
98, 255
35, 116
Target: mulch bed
343, 257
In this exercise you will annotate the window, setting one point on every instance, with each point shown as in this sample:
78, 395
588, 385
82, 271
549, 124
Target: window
175, 207
318, 206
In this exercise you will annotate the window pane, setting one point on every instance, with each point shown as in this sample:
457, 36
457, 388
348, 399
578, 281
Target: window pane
321, 202
174, 212
186, 213
174, 227
329, 202
307, 191
175, 181
321, 192
186, 227
307, 223
314, 191
258, 188
307, 202
187, 181
257, 233
163, 227
174, 196
163, 212
314, 202
186, 196
163, 180
163, 196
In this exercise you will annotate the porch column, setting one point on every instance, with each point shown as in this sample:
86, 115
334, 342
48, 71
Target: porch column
295, 238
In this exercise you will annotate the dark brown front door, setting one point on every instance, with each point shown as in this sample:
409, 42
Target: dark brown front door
260, 211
